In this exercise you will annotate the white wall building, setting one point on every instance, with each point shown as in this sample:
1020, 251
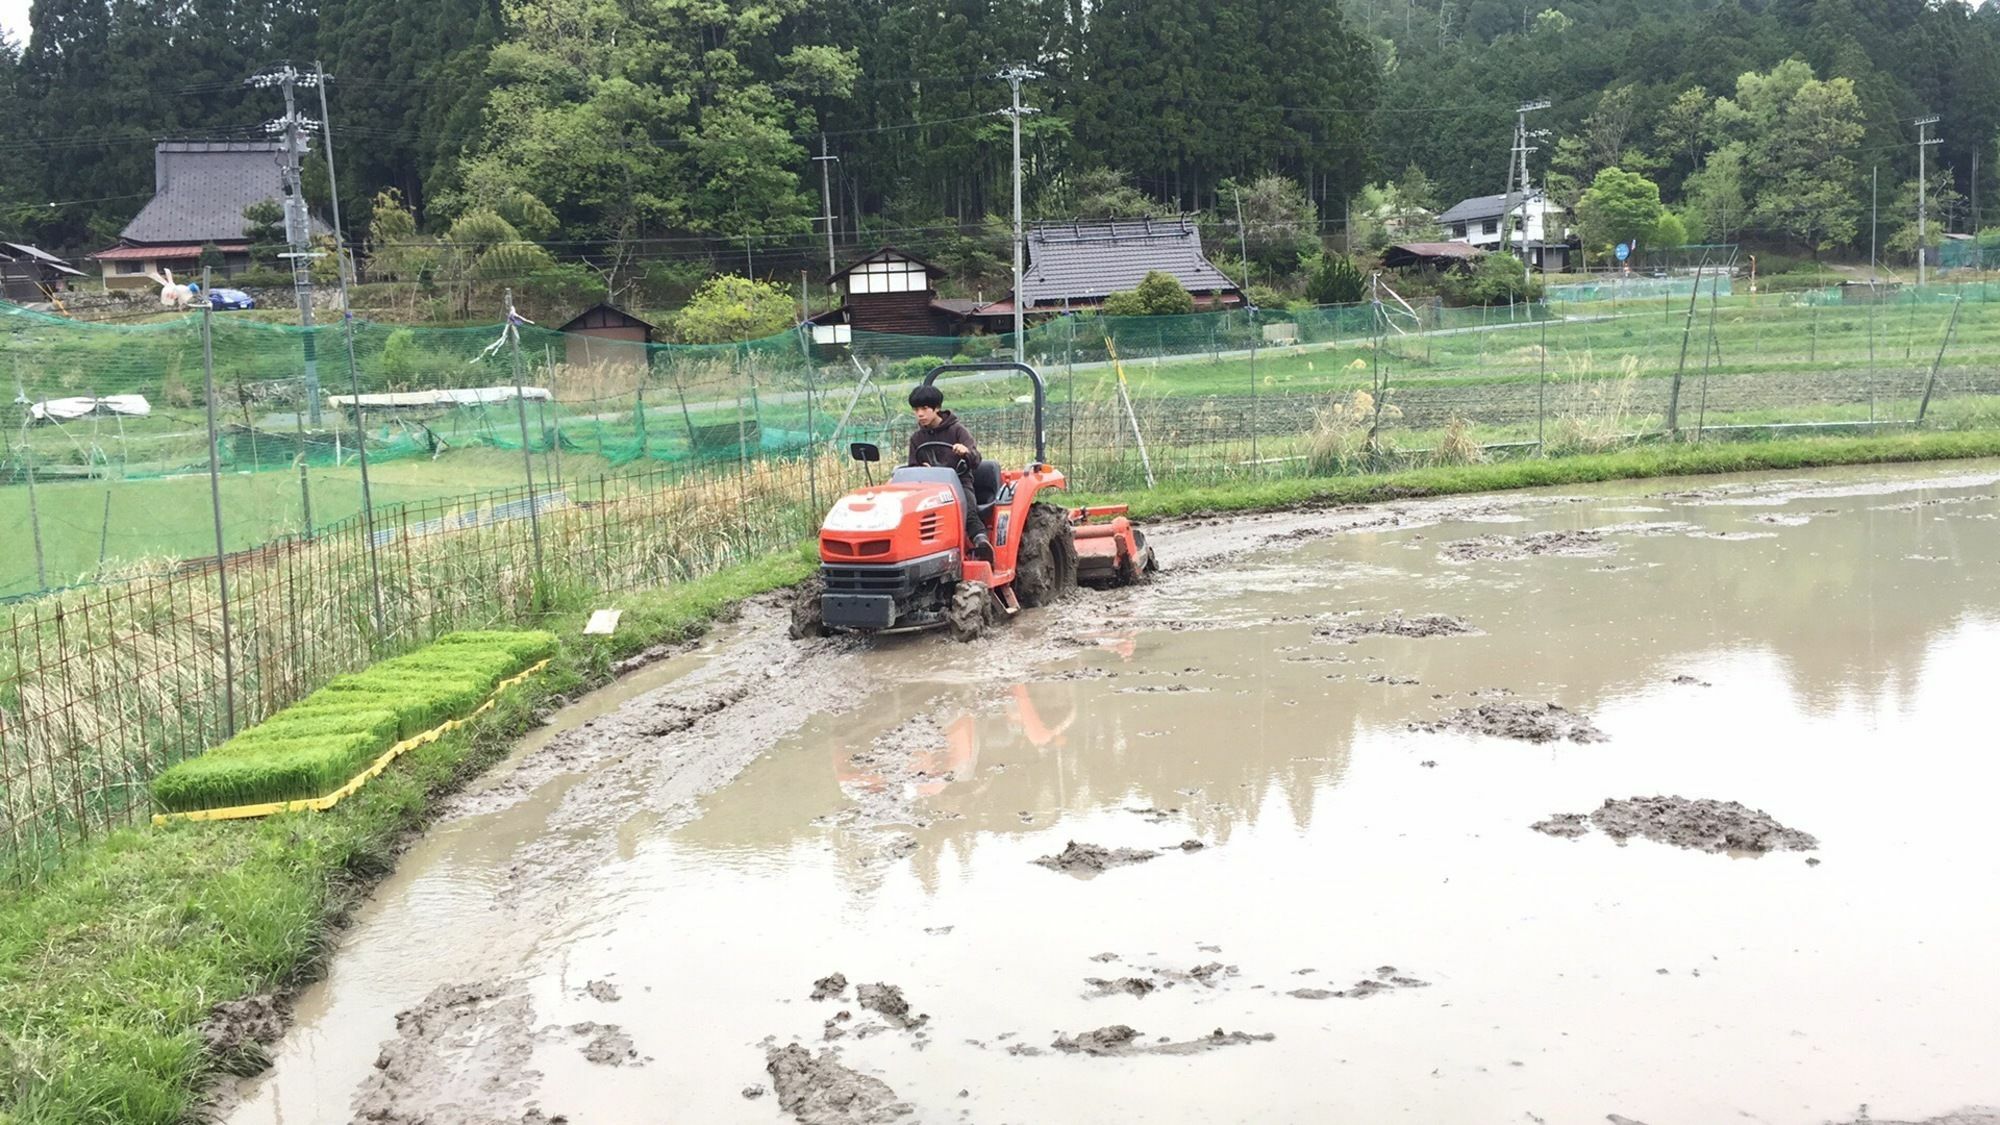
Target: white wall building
1477, 221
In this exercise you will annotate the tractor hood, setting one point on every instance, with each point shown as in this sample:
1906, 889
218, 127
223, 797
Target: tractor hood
883, 508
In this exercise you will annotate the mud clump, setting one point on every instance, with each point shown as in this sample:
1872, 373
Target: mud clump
1423, 625
1123, 986
1529, 722
1103, 1041
1086, 860
1705, 825
603, 991
1387, 978
888, 1000
1493, 548
608, 1045
817, 1090
1566, 825
461, 1054
1685, 680
1206, 975
827, 987
1119, 1039
237, 1031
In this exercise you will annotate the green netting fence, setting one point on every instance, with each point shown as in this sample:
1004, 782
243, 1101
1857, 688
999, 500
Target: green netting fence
104, 452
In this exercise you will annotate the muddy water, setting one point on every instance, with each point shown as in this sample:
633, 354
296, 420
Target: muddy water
747, 819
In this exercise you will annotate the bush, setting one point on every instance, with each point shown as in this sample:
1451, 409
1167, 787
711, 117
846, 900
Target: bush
729, 309
1496, 279
1337, 281
911, 370
1158, 295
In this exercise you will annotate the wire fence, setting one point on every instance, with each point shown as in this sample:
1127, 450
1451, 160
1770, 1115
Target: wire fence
154, 606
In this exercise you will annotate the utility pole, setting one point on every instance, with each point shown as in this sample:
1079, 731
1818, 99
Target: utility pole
298, 225
1924, 141
1874, 188
340, 260
1517, 164
826, 199
1243, 242
1014, 76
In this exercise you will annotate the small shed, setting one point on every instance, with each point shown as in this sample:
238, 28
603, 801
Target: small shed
606, 335
1438, 256
29, 274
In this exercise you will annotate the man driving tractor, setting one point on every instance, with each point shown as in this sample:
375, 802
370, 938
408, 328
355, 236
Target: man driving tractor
935, 430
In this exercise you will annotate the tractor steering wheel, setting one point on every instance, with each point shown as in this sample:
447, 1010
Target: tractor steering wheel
944, 445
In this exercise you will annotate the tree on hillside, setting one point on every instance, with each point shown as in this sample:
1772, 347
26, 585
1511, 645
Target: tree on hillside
264, 226
1716, 198
1097, 193
729, 309
1620, 206
1158, 295
1280, 225
1943, 205
1797, 132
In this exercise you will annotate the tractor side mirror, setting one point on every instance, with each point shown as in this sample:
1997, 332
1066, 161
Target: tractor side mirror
865, 451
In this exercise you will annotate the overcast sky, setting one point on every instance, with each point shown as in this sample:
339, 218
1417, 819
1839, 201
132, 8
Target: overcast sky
14, 20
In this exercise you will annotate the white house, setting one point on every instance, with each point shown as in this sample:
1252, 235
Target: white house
1477, 221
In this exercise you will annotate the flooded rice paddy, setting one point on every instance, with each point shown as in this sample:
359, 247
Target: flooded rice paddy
1313, 829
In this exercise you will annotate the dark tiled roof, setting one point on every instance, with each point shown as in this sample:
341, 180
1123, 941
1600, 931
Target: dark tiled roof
957, 306
201, 188
1439, 249
621, 318
1484, 207
1087, 261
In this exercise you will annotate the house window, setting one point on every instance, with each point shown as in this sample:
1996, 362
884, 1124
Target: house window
1490, 226
128, 267
896, 275
1458, 230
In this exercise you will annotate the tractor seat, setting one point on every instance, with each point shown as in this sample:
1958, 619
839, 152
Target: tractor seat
986, 484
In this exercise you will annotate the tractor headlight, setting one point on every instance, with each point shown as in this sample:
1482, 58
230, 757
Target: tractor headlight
867, 512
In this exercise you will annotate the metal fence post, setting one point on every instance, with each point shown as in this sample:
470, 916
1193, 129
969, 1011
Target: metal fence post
1674, 399
1924, 408
215, 502
527, 452
34, 510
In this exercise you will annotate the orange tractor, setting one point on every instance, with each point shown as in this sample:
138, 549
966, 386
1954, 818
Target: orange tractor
894, 557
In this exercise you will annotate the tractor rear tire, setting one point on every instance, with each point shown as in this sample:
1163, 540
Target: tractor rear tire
807, 617
971, 610
1045, 569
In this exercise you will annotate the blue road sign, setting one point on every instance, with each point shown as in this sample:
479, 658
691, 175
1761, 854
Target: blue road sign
1623, 251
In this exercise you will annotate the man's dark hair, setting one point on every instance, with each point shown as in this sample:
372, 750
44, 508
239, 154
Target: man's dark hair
927, 396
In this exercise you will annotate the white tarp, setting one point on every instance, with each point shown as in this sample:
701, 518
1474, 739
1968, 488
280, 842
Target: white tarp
68, 409
468, 397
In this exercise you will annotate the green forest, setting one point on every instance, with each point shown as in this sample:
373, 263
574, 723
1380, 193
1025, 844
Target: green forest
655, 143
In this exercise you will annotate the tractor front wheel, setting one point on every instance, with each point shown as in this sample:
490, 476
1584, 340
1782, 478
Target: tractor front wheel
807, 617
971, 611
1045, 569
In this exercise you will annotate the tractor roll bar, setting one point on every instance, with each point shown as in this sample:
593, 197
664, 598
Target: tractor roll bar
1041, 391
